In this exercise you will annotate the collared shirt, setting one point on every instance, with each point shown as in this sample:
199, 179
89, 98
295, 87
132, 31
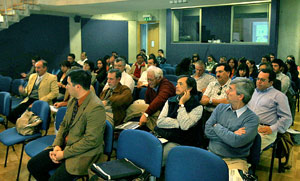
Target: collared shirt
81, 62
203, 81
239, 111
272, 108
285, 82
126, 79
39, 79
215, 91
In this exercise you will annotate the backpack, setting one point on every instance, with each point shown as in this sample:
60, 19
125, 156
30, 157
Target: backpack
284, 150
28, 123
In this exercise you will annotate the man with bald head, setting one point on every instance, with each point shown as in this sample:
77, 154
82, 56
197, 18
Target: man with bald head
41, 86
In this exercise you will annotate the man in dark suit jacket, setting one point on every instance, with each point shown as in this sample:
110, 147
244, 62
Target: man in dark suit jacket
116, 98
79, 141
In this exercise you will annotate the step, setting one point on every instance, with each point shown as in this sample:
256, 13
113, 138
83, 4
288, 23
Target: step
3, 26
23, 13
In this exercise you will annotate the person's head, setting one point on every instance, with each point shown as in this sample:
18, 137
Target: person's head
232, 63
106, 58
223, 72
223, 59
161, 52
291, 65
101, 64
210, 58
250, 63
199, 68
120, 64
265, 79
78, 81
88, 66
112, 59
34, 59
71, 57
143, 51
113, 78
41, 67
186, 83
140, 58
241, 60
272, 56
195, 57
240, 92
114, 53
265, 59
243, 70
65, 66
154, 76
265, 66
83, 56
185, 64
152, 61
290, 57
277, 64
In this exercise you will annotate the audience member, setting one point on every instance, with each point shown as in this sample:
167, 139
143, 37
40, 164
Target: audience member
110, 62
202, 78
143, 51
138, 67
71, 59
290, 57
101, 74
233, 64
265, 59
184, 67
158, 91
195, 58
232, 127
285, 80
79, 141
272, 56
32, 69
160, 57
62, 78
41, 86
90, 66
83, 59
179, 115
271, 106
253, 72
143, 79
242, 71
116, 98
241, 60
211, 62
223, 59
292, 69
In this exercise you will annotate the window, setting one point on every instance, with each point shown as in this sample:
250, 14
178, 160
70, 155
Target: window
251, 23
185, 25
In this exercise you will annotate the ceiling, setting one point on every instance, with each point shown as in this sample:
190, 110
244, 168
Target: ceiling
93, 7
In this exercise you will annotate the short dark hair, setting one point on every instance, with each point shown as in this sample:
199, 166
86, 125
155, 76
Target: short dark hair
143, 50
161, 50
278, 61
272, 74
120, 59
36, 58
268, 65
141, 55
191, 83
65, 63
244, 67
117, 71
81, 77
152, 56
72, 55
226, 67
45, 63
91, 64
267, 57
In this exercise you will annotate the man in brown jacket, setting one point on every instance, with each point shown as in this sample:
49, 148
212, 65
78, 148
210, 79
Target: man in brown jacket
116, 98
79, 141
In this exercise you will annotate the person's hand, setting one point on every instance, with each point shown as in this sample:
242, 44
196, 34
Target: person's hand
23, 75
21, 89
240, 131
143, 120
57, 104
139, 84
59, 84
59, 155
30, 106
104, 102
265, 130
52, 156
204, 100
186, 96
57, 148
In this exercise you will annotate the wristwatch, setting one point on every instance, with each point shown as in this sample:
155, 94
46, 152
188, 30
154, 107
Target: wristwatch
182, 105
210, 101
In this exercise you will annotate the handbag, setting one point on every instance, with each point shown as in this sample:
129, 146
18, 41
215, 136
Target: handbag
28, 123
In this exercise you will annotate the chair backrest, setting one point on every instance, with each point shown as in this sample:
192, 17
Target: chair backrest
5, 83
142, 148
96, 87
142, 93
15, 86
170, 70
60, 116
42, 109
5, 103
255, 151
172, 78
108, 138
192, 163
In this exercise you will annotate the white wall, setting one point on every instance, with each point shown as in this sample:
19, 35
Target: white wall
75, 38
289, 30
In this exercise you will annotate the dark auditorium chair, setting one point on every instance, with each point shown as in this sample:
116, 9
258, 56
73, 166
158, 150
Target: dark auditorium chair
5, 102
172, 78
16, 99
11, 137
254, 156
170, 70
192, 163
5, 83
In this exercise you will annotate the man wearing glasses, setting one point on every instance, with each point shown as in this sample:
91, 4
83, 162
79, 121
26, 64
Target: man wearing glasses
215, 92
271, 106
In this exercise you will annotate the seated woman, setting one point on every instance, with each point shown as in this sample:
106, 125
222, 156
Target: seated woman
242, 71
101, 74
253, 72
62, 77
89, 66
211, 62
232, 62
184, 67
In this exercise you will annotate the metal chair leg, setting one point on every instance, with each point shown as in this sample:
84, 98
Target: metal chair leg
20, 164
272, 160
7, 149
29, 177
13, 148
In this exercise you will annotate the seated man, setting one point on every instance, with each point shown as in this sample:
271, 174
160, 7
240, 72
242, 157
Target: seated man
179, 114
271, 106
116, 98
41, 86
202, 78
79, 141
158, 92
232, 127
284, 79
138, 67
143, 79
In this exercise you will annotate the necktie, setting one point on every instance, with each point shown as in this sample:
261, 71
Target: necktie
108, 94
75, 110
38, 80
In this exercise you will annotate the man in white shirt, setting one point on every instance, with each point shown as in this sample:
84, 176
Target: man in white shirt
83, 58
202, 78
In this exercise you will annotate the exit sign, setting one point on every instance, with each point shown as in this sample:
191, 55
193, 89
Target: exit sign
147, 17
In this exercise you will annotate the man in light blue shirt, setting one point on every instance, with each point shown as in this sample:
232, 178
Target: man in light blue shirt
232, 127
271, 106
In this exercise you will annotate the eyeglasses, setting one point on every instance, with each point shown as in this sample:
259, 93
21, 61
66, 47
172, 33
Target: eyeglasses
220, 91
261, 79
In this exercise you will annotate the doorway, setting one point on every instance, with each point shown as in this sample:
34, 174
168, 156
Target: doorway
148, 37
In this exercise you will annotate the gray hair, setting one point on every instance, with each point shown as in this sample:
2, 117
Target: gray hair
117, 71
158, 73
200, 63
244, 86
120, 59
